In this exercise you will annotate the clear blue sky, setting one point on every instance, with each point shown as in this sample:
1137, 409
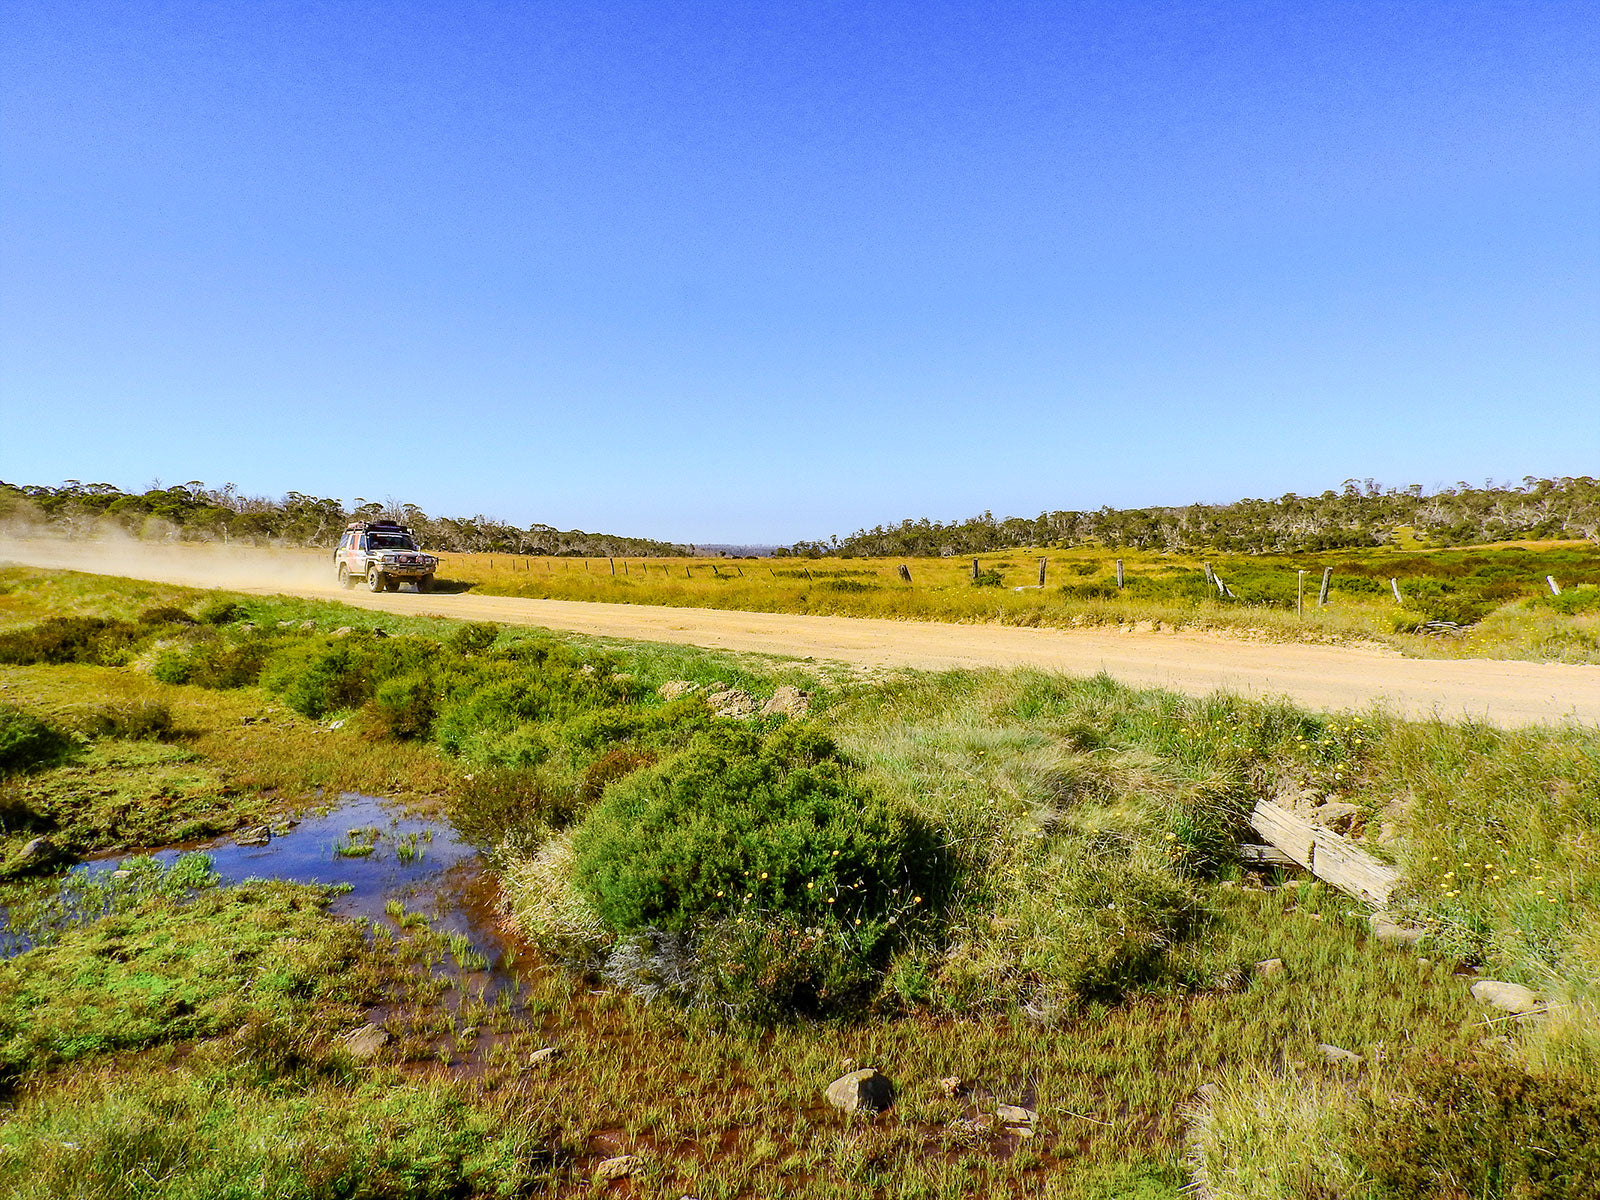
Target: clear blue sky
751, 272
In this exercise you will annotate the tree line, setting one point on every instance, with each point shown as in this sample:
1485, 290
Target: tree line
1361, 513
193, 512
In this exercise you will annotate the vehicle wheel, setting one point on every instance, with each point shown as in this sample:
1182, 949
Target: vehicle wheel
425, 584
344, 577
375, 580
390, 585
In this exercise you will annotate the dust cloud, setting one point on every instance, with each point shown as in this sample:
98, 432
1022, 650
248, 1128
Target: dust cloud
191, 564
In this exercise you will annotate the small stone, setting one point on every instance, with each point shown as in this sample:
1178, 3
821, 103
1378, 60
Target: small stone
285, 624
951, 1085
618, 1168
343, 631
1015, 1114
339, 724
308, 624
1424, 962
259, 836
540, 1058
1338, 1056
861, 1091
365, 1043
1270, 968
674, 688
1507, 997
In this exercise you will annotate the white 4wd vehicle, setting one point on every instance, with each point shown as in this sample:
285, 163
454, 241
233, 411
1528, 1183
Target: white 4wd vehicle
385, 555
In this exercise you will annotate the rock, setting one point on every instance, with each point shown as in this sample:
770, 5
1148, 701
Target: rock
365, 1043
734, 702
380, 632
674, 688
343, 631
259, 836
1390, 932
540, 1058
788, 702
1015, 1114
1336, 815
1337, 1056
861, 1091
952, 1085
1018, 1131
586, 669
1270, 968
40, 852
1507, 997
285, 624
618, 1168
339, 724
308, 624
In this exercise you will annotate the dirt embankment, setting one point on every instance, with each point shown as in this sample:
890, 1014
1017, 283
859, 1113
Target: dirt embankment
1322, 677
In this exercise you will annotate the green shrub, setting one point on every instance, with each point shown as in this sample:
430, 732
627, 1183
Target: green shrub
989, 578
1484, 1127
218, 611
473, 637
735, 823
94, 640
27, 743
404, 707
135, 720
1099, 590
319, 677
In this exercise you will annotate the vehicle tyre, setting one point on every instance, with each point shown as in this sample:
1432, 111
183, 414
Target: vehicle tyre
375, 580
344, 577
425, 584
390, 585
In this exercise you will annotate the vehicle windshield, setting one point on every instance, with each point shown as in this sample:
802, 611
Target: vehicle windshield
390, 541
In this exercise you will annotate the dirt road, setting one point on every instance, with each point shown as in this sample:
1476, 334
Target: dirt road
1323, 677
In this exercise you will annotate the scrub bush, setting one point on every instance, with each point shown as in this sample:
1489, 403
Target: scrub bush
738, 823
93, 640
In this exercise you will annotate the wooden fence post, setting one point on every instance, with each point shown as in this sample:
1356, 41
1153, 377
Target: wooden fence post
613, 563
974, 570
1119, 574
1211, 580
1322, 596
1394, 585
1555, 588
1300, 593
905, 573
1041, 572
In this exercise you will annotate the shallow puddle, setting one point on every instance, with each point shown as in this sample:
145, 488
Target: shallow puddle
387, 856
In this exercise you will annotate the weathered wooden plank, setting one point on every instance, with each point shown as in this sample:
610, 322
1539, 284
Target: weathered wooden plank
1351, 869
1324, 853
1269, 856
1289, 832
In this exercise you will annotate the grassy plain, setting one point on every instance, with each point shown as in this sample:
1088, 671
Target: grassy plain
1094, 959
1499, 592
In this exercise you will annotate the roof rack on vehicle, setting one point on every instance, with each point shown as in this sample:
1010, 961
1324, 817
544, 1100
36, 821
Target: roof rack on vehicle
363, 526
